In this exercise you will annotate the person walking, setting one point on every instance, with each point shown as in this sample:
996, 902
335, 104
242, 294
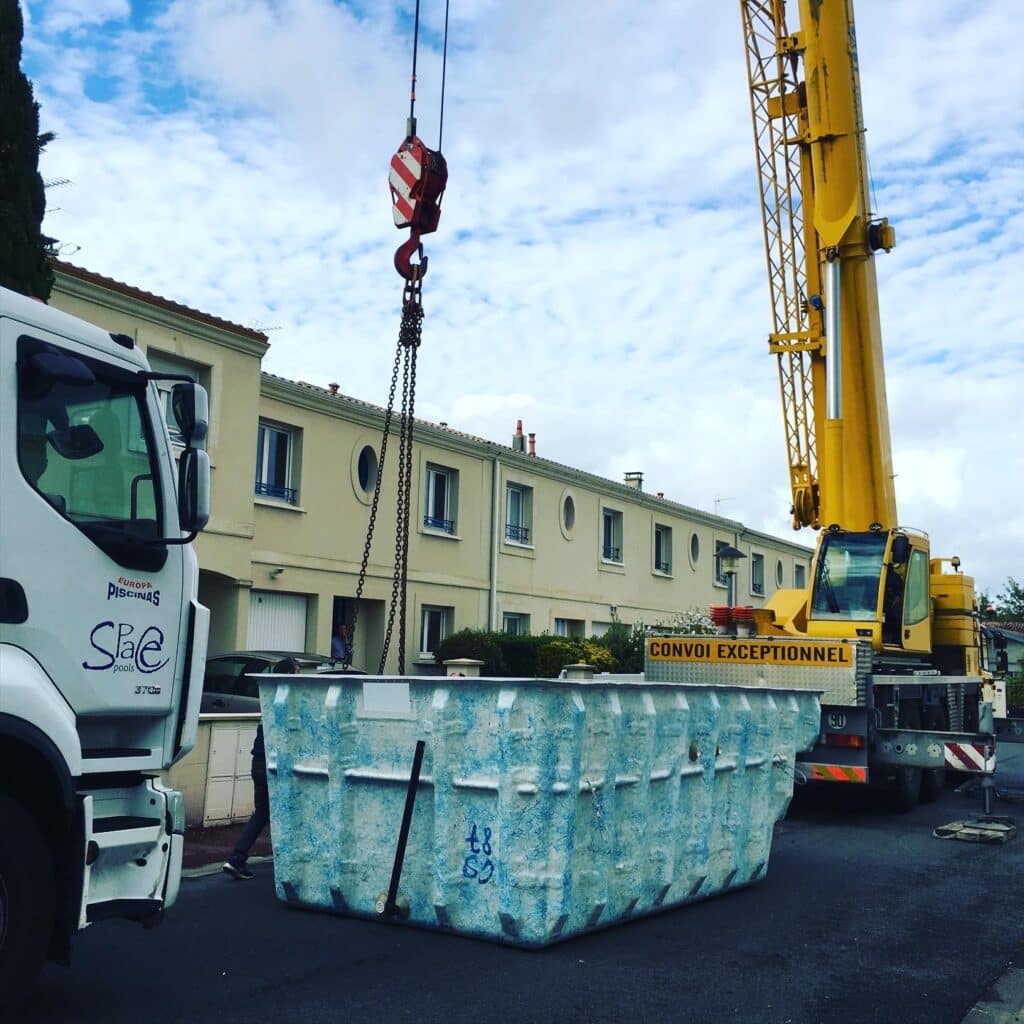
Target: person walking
235, 865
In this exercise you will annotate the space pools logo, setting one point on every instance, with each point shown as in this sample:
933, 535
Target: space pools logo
123, 647
139, 590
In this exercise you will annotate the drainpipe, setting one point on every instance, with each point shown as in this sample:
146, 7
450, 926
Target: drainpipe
495, 535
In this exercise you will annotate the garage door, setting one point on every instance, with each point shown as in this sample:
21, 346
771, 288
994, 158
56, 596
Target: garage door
277, 622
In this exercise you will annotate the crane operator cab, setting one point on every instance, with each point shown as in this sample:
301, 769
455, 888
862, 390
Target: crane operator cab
872, 584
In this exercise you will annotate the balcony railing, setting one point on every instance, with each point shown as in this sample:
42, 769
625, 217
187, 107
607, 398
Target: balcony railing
273, 491
434, 523
520, 534
663, 566
611, 554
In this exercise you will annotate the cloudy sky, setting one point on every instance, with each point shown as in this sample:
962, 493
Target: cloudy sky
599, 269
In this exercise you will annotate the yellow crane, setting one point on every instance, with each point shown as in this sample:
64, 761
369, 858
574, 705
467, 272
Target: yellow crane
870, 577
887, 635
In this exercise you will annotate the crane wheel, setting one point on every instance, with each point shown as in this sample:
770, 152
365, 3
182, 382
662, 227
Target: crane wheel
26, 904
933, 780
906, 790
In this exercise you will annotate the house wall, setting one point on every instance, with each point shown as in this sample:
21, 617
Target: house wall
310, 541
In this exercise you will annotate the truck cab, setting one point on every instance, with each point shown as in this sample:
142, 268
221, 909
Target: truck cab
102, 639
872, 585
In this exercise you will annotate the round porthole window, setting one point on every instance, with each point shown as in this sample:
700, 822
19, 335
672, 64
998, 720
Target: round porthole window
694, 550
567, 515
364, 468
367, 468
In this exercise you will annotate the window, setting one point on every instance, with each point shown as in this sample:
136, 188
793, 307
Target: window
436, 624
694, 550
366, 469
568, 514
598, 628
663, 548
847, 576
611, 535
717, 568
916, 605
516, 624
87, 448
518, 513
779, 575
161, 363
757, 574
800, 576
274, 462
441, 498
570, 627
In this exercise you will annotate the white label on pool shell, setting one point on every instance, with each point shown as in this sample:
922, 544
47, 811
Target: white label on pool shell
386, 699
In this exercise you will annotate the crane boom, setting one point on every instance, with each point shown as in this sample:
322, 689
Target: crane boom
820, 240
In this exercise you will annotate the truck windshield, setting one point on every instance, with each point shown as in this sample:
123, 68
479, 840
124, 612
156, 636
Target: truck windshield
86, 446
847, 577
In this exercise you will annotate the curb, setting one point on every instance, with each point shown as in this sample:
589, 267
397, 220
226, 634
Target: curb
1003, 1002
215, 868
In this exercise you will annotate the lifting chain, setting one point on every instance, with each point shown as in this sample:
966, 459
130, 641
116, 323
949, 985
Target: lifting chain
417, 180
409, 338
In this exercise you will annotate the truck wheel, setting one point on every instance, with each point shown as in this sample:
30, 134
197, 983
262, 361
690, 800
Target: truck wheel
26, 904
907, 787
933, 780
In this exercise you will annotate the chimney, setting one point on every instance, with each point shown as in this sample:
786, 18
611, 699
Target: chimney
635, 480
518, 441
333, 388
661, 494
533, 444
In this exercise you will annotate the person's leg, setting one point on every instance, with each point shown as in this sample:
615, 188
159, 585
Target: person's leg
255, 825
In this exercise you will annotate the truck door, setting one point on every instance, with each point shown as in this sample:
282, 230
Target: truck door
917, 632
87, 497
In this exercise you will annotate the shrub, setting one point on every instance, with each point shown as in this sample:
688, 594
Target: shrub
520, 653
594, 653
625, 644
473, 643
554, 653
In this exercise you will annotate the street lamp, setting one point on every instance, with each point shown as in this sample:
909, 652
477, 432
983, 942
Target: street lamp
728, 562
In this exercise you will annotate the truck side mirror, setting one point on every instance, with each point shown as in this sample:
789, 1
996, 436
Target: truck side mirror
193, 490
900, 549
191, 407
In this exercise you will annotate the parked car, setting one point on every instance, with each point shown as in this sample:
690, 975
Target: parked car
226, 687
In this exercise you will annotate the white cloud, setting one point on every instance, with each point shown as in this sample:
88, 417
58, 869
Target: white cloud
599, 269
57, 16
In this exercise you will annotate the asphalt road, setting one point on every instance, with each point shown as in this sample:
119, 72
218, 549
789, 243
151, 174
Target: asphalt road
863, 917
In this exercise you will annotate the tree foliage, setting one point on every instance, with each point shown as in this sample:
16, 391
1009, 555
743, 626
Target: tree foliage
24, 249
1010, 603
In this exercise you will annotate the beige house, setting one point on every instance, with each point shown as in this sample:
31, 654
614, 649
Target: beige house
499, 537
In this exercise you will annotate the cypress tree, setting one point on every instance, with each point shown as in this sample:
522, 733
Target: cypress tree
24, 249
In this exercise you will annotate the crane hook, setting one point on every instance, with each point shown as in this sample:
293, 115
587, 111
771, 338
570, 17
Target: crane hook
417, 179
403, 258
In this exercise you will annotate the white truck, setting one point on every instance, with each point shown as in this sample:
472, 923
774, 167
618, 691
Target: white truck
102, 638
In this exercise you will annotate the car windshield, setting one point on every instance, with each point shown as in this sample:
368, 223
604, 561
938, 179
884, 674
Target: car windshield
848, 573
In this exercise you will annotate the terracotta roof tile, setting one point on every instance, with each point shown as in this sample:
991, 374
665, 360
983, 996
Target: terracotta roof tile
156, 300
1009, 627
326, 393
